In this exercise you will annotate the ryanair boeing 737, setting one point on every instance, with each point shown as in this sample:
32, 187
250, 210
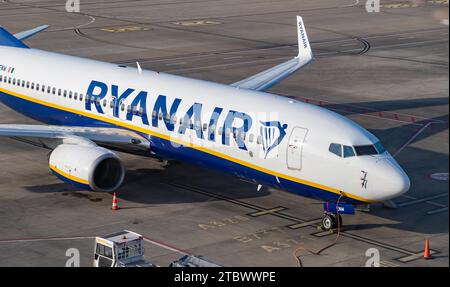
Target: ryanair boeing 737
90, 108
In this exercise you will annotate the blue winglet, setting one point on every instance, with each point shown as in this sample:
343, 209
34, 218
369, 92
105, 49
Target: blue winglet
6, 39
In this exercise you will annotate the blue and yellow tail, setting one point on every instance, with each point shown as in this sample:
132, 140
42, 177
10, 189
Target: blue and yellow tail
7, 39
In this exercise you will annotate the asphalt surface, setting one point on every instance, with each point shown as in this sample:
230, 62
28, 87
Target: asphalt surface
388, 71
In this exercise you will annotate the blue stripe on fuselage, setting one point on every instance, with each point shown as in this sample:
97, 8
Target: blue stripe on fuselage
165, 148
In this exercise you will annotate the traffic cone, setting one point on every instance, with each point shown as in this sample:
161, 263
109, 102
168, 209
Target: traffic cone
114, 203
426, 253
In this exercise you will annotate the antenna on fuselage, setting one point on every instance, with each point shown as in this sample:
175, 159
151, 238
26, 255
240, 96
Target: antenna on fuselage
139, 67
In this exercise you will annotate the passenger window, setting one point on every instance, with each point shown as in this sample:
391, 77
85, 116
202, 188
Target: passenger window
348, 151
37, 87
250, 138
336, 149
259, 140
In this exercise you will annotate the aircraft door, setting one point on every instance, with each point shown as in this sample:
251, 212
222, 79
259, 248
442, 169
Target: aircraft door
295, 148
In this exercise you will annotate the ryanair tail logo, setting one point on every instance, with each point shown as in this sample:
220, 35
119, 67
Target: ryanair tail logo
272, 134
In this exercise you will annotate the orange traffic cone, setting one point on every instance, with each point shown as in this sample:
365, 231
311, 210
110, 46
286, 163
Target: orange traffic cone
114, 203
426, 253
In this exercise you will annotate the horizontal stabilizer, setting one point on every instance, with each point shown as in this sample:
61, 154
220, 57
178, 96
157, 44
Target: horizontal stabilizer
29, 33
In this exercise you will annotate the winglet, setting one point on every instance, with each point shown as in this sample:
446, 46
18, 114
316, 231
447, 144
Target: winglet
304, 48
27, 34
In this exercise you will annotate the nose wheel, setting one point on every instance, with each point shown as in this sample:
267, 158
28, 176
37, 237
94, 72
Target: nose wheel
330, 221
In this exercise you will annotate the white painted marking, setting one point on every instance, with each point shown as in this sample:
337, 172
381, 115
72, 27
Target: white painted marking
235, 57
439, 210
411, 139
45, 239
176, 64
165, 246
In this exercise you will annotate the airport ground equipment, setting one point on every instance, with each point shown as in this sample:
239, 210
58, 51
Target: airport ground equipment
121, 249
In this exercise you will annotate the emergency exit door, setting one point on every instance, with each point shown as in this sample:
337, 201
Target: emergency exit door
295, 148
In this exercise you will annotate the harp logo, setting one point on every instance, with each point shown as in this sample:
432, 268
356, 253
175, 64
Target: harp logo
272, 134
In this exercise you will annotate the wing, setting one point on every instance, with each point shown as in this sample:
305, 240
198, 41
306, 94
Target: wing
52, 136
272, 76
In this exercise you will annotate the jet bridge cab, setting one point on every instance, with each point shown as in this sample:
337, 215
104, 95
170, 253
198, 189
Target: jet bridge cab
121, 249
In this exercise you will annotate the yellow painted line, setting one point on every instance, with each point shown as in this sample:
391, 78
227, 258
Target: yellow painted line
124, 29
197, 23
399, 5
186, 144
69, 176
438, 1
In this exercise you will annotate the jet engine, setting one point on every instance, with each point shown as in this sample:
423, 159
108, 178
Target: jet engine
89, 167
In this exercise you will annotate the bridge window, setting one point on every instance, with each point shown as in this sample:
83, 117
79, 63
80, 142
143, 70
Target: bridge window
336, 149
380, 148
348, 151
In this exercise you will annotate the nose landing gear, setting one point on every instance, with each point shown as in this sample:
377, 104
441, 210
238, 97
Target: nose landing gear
332, 214
331, 221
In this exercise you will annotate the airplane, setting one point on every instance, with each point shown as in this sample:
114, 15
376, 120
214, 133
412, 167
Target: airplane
89, 109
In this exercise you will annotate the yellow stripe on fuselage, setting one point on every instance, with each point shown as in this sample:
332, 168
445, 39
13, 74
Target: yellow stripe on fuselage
69, 176
187, 144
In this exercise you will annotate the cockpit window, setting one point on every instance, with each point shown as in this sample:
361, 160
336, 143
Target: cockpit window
348, 151
380, 148
336, 149
365, 150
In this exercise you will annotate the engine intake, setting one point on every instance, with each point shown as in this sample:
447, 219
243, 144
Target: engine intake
88, 167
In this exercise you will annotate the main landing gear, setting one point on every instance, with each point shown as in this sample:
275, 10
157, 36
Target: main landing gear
332, 218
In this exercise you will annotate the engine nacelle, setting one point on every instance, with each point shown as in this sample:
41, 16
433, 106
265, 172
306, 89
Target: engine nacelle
88, 167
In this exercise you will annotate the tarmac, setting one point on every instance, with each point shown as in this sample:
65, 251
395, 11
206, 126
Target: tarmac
386, 70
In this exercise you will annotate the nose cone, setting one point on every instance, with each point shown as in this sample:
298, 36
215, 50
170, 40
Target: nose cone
393, 182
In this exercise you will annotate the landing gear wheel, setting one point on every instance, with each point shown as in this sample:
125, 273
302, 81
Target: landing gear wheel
328, 221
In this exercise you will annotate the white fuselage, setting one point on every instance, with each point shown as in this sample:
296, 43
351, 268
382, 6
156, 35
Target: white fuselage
237, 134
